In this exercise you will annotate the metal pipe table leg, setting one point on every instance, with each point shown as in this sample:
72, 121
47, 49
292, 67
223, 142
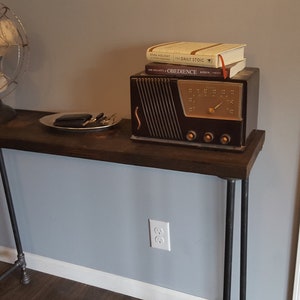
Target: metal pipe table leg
20, 262
229, 238
244, 234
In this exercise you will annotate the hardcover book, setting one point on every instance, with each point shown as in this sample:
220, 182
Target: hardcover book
213, 55
165, 69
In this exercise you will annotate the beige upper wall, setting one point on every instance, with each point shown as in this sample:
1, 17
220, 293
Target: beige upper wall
84, 51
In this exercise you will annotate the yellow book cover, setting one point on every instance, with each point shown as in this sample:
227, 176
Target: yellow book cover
196, 53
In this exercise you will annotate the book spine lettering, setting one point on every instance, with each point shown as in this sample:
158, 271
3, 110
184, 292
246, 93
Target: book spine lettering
164, 69
183, 59
159, 57
190, 59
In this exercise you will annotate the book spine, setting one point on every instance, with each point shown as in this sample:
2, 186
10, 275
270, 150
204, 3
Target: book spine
180, 70
183, 59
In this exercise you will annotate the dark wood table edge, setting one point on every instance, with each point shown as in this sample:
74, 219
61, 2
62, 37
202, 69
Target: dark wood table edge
218, 163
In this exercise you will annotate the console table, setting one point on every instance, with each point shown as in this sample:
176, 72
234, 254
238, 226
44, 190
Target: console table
27, 134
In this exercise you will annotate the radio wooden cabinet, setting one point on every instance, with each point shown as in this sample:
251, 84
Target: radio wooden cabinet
195, 111
26, 133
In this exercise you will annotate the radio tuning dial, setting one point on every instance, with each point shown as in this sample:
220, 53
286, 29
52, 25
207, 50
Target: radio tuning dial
225, 139
191, 135
208, 137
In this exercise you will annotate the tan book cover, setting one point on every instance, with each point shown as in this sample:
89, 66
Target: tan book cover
196, 53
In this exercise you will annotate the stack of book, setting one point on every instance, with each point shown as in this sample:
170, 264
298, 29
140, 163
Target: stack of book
196, 59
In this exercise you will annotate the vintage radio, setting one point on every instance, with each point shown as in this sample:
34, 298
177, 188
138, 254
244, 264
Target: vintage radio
203, 112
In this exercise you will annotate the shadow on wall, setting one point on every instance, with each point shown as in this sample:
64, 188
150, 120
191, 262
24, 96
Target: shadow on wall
295, 242
106, 86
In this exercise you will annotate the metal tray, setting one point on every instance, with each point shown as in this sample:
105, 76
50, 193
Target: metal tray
110, 121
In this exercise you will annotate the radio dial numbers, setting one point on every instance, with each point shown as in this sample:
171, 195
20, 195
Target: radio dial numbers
211, 99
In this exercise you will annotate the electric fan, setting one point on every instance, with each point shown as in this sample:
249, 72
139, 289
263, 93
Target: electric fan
14, 55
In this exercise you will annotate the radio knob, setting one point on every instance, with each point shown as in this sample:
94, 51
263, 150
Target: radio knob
191, 135
208, 137
225, 139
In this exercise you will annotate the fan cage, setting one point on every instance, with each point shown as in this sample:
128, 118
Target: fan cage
14, 50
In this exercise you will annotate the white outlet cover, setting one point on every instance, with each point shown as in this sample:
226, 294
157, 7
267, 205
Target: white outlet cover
160, 235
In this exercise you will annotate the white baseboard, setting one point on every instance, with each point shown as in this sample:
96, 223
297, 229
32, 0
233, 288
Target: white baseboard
115, 283
296, 293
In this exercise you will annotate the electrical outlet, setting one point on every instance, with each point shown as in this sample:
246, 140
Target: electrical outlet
159, 235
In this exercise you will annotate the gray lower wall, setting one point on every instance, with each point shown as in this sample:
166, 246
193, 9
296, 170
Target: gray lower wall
96, 214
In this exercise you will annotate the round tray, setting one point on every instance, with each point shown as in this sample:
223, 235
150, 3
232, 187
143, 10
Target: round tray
109, 122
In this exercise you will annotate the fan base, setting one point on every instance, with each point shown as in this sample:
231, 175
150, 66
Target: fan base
7, 113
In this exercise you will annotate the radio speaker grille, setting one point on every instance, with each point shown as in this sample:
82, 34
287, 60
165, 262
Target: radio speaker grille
158, 107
